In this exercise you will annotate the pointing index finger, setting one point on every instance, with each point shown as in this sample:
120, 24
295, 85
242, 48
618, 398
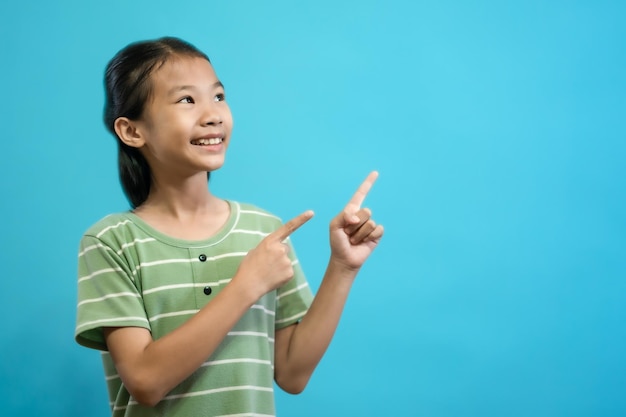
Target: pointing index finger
284, 231
359, 196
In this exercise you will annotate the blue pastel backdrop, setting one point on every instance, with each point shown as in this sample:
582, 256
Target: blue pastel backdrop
498, 128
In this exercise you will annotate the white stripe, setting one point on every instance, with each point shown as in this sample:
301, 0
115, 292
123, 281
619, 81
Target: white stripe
250, 232
129, 244
260, 213
100, 272
179, 286
294, 317
173, 314
247, 333
106, 229
162, 262
215, 391
242, 360
111, 320
170, 287
205, 392
92, 247
265, 310
112, 405
286, 293
254, 334
119, 294
120, 251
174, 261
224, 255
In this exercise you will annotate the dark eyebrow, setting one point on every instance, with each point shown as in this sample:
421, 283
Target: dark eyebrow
178, 88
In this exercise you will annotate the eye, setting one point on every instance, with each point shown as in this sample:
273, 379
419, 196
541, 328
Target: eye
187, 99
220, 97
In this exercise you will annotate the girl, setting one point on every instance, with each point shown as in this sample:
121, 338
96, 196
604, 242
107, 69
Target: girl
199, 303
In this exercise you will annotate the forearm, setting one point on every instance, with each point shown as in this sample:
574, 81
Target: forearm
353, 237
301, 349
150, 369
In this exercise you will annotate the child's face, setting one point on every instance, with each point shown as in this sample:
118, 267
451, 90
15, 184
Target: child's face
186, 124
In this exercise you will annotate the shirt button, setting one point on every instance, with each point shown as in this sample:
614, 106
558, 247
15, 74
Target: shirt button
202, 257
207, 290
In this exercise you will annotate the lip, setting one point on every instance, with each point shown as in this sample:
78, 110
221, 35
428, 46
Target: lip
210, 136
217, 135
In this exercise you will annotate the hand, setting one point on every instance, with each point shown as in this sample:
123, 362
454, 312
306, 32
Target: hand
268, 266
353, 233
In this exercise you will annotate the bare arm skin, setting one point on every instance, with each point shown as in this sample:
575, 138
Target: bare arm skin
150, 369
299, 348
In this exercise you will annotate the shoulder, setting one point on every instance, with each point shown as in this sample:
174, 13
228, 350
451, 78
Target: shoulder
253, 210
107, 223
114, 230
254, 216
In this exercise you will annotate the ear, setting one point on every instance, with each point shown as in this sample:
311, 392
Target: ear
128, 132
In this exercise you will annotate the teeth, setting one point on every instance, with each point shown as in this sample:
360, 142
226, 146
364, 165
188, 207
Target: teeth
209, 141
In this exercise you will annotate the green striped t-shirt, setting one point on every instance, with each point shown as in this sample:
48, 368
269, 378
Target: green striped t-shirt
129, 274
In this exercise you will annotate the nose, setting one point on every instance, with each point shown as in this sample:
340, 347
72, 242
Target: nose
211, 115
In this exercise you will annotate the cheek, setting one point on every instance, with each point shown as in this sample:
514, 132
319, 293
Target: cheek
227, 117
230, 124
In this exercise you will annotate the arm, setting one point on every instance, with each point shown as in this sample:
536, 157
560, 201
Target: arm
299, 348
150, 369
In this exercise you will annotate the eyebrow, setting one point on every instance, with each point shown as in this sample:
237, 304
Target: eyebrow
178, 88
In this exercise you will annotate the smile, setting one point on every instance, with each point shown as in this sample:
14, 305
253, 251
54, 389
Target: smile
207, 141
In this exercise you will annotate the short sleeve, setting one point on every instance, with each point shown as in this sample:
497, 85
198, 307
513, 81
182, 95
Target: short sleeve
107, 293
294, 298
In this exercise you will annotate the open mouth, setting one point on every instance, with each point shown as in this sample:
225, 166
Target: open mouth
207, 141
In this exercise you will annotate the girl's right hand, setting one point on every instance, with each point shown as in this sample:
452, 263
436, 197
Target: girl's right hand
268, 266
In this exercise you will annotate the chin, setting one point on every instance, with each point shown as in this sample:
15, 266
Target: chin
213, 167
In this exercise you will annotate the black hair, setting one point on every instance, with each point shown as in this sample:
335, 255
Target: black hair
127, 90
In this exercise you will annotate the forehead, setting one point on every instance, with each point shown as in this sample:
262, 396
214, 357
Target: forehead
188, 71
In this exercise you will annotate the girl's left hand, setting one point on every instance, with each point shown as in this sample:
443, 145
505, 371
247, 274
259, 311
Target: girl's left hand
353, 233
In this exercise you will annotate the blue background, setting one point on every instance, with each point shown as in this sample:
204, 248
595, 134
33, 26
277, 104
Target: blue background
498, 128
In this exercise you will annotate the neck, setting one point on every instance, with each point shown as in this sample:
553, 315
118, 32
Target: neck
180, 199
